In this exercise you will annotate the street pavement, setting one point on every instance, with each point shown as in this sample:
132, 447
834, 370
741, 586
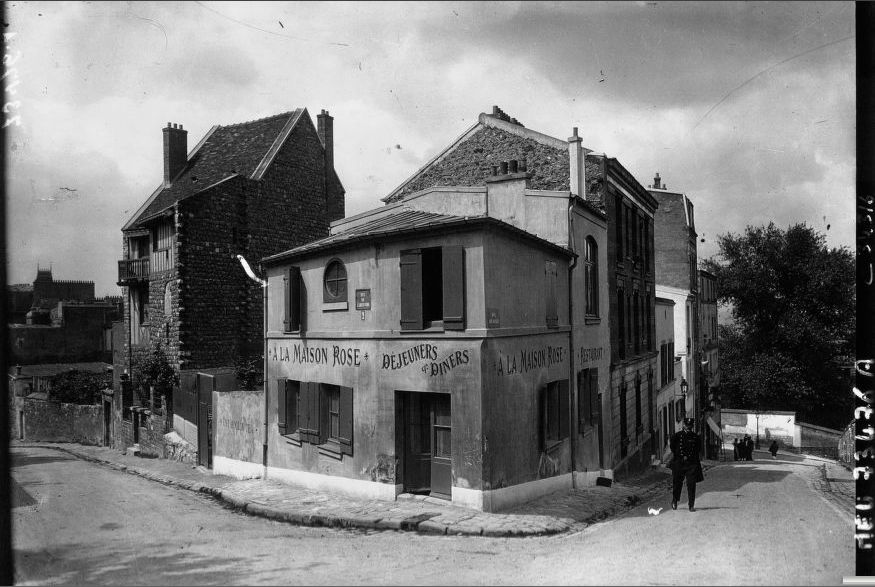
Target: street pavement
557, 513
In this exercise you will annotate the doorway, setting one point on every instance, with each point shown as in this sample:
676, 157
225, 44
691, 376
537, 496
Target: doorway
426, 443
107, 423
205, 420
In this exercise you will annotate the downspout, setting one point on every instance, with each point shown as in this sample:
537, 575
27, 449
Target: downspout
263, 284
571, 378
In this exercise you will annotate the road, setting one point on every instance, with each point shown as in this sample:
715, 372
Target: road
764, 522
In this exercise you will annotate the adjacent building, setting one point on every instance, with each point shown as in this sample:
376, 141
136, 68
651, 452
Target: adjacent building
677, 280
710, 374
669, 400
254, 189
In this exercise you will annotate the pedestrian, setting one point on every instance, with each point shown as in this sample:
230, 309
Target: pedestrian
774, 449
687, 464
734, 449
748, 447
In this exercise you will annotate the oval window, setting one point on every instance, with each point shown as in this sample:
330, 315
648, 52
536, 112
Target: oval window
335, 282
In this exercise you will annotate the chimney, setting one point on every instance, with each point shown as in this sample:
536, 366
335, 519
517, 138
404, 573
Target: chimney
175, 151
656, 184
576, 165
325, 128
506, 193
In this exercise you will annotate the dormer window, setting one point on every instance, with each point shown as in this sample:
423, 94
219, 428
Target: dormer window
335, 282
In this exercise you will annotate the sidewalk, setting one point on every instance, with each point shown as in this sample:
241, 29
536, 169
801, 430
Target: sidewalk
551, 514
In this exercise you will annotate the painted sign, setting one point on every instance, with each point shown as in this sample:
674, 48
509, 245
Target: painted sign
334, 355
362, 299
427, 353
530, 359
587, 355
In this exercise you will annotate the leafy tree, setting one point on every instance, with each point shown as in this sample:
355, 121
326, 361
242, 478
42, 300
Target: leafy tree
154, 370
793, 308
79, 387
249, 372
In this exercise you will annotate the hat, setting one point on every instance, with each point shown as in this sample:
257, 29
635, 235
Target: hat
689, 422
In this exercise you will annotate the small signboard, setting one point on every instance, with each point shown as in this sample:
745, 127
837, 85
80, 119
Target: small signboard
492, 320
362, 299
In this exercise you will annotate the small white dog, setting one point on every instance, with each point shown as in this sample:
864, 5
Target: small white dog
653, 511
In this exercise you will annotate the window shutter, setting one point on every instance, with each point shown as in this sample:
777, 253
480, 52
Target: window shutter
595, 410
316, 403
292, 303
552, 311
583, 401
345, 431
453, 259
411, 289
542, 416
281, 405
564, 409
292, 391
304, 411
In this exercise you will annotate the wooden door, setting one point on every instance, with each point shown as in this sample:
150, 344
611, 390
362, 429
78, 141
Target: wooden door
417, 440
441, 454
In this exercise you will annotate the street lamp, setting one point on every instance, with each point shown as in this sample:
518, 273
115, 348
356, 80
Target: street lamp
684, 387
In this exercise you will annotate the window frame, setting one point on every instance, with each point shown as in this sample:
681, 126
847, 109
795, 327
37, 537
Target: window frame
453, 288
554, 414
342, 278
591, 277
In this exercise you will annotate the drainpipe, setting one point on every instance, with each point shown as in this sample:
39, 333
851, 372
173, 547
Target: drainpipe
571, 378
263, 284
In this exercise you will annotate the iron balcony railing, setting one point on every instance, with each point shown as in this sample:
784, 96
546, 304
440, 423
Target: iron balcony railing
132, 270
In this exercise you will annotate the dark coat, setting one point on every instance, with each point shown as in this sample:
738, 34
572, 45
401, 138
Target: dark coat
687, 461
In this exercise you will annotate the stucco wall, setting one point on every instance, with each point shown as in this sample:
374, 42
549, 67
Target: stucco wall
238, 425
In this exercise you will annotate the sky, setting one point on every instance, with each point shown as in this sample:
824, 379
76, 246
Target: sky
748, 108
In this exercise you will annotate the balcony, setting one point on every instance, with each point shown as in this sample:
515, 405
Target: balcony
133, 271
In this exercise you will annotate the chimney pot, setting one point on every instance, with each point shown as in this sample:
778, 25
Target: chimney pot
495, 110
503, 166
18, 369
168, 125
512, 166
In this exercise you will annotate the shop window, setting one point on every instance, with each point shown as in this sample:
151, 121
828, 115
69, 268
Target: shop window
433, 288
591, 277
316, 413
334, 289
293, 304
554, 413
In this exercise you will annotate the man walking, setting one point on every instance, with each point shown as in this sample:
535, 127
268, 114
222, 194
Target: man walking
686, 464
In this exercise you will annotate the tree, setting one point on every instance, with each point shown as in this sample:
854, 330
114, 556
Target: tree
793, 308
154, 370
79, 387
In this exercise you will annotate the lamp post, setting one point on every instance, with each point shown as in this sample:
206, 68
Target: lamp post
684, 387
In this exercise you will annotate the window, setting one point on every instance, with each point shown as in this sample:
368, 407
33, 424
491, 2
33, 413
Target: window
552, 315
591, 276
636, 322
317, 413
624, 437
554, 413
638, 421
334, 289
433, 288
293, 305
618, 208
588, 407
621, 322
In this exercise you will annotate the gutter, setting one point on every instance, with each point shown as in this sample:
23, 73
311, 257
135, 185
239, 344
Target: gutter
572, 384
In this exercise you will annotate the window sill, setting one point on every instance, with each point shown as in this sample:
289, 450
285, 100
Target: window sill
293, 439
592, 320
331, 448
335, 306
552, 445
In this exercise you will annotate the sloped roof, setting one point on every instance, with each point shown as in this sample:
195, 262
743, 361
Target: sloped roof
245, 149
403, 222
50, 369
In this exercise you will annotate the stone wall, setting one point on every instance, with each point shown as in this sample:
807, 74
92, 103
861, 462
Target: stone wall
48, 421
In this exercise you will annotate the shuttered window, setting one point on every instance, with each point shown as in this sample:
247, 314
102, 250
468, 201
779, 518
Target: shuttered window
591, 277
433, 288
281, 406
293, 304
320, 414
554, 412
588, 407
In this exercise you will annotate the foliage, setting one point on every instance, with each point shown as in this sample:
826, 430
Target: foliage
155, 370
793, 308
249, 372
79, 387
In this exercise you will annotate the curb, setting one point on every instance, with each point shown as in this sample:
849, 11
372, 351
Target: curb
418, 523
